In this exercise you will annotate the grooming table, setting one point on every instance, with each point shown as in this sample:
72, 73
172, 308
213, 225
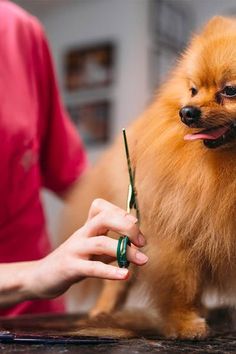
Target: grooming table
56, 334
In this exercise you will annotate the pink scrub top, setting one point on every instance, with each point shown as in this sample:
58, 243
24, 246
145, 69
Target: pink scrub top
39, 147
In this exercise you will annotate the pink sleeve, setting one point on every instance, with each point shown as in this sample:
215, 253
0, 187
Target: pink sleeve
62, 155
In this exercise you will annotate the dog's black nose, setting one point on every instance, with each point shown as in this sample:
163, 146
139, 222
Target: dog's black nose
190, 115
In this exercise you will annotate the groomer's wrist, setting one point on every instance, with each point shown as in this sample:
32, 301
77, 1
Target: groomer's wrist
16, 283
33, 279
45, 279
27, 278
29, 281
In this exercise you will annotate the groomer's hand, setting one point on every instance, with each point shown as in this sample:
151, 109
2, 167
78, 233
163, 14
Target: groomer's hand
87, 252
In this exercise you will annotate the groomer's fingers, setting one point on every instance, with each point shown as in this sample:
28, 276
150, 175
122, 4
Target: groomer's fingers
103, 245
95, 269
99, 205
104, 216
114, 220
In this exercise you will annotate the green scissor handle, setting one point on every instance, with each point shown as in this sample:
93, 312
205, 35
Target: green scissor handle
122, 260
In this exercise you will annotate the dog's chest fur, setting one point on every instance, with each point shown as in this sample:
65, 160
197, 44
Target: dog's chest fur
192, 202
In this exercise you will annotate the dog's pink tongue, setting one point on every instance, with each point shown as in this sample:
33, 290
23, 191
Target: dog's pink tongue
209, 135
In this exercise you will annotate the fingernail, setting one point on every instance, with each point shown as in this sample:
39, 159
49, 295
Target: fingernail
141, 257
122, 273
132, 218
141, 240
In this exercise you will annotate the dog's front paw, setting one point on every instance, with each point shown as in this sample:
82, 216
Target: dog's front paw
102, 309
97, 312
189, 329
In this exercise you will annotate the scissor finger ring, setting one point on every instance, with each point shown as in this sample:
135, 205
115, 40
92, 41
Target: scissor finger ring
122, 260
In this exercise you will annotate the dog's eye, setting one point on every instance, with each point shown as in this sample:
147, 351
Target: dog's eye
193, 91
229, 91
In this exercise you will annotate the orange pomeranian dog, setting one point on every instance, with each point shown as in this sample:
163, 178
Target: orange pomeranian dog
184, 151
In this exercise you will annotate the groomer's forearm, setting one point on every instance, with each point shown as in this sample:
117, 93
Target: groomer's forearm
15, 283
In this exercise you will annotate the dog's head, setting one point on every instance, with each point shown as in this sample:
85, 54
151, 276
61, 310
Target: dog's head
208, 70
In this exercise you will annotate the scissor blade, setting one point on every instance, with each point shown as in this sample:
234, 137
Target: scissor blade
132, 200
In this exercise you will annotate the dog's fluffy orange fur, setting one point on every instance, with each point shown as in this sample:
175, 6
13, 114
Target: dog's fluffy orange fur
186, 191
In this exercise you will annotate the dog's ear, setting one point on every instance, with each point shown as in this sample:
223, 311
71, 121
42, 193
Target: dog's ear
219, 24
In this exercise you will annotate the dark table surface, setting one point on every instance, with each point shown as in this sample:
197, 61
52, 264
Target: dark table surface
61, 330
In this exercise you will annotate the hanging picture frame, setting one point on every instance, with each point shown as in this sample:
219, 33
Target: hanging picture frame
90, 66
93, 120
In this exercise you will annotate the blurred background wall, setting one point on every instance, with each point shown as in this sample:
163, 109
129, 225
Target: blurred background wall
111, 54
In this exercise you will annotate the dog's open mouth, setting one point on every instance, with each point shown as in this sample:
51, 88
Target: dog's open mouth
214, 137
